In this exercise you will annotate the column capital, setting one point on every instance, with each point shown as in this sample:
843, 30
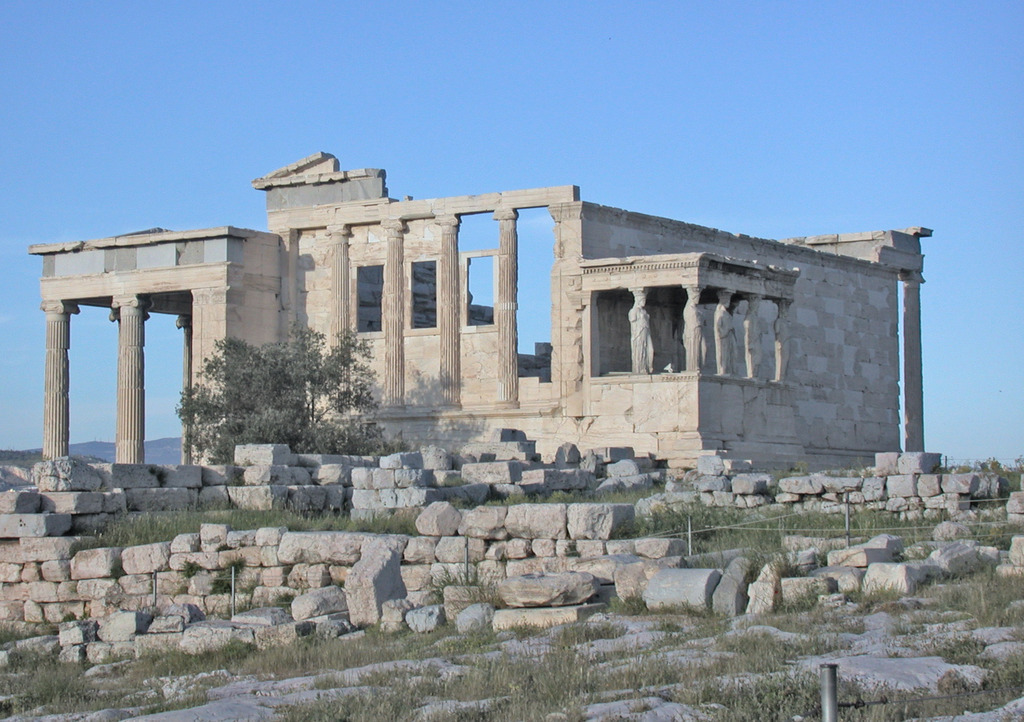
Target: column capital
448, 221
183, 321
58, 306
393, 226
911, 277
342, 230
506, 214
133, 301
724, 296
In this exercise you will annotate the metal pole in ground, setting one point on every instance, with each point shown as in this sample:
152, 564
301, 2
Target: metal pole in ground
689, 536
232, 591
465, 560
829, 693
847, 519
154, 589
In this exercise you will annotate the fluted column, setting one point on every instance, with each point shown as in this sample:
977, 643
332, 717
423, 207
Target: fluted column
184, 322
56, 380
752, 336
130, 314
393, 311
506, 305
913, 388
781, 329
693, 334
450, 312
341, 317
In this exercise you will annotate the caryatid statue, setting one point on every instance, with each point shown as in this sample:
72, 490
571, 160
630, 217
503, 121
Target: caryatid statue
693, 334
725, 334
641, 344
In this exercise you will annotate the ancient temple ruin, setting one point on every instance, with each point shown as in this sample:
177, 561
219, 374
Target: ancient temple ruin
671, 338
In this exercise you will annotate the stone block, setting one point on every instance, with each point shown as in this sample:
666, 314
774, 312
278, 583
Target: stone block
847, 579
798, 589
485, 522
961, 483
146, 558
658, 548
333, 474
596, 521
547, 590
425, 619
417, 577
618, 484
123, 626
681, 587
150, 500
65, 474
18, 526
318, 602
730, 595
918, 462
185, 476
258, 498
494, 472
269, 637
78, 632
548, 480
435, 458
134, 476
750, 483
543, 618
626, 467
873, 488
56, 570
806, 485
901, 485
537, 521
888, 576
264, 454
475, 618
185, 543
602, 568
457, 549
19, 501
710, 465
929, 485
221, 475
402, 460
77, 502
710, 484
439, 519
267, 475
96, 563
374, 579
887, 463
210, 636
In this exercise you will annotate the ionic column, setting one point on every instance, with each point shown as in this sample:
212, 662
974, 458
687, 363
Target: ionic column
725, 334
56, 380
130, 314
449, 311
393, 312
752, 336
781, 328
693, 334
184, 322
341, 315
505, 307
913, 388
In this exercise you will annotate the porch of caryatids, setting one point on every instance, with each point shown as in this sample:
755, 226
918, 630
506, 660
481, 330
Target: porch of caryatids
752, 336
56, 378
506, 305
130, 312
449, 312
393, 312
913, 383
340, 235
640, 342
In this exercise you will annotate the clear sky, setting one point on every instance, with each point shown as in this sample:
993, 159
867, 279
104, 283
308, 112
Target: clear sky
774, 119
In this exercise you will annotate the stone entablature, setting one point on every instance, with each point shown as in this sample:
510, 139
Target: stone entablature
669, 337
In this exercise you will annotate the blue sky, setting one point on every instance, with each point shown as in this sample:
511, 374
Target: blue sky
774, 119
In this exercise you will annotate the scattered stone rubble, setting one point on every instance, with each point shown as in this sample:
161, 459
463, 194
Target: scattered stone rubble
549, 563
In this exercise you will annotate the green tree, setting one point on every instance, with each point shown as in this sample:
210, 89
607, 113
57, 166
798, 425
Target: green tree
299, 392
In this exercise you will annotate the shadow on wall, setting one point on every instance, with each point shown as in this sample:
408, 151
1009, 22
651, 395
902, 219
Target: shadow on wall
423, 419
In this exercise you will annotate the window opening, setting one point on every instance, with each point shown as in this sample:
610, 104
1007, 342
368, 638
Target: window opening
424, 294
370, 290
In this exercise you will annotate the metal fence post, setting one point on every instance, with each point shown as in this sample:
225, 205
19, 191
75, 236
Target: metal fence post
232, 591
154, 589
847, 519
689, 536
829, 695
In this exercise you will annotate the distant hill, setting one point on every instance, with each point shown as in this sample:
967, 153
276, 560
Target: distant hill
158, 451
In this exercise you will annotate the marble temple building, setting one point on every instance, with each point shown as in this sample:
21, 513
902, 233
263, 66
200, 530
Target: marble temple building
671, 338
